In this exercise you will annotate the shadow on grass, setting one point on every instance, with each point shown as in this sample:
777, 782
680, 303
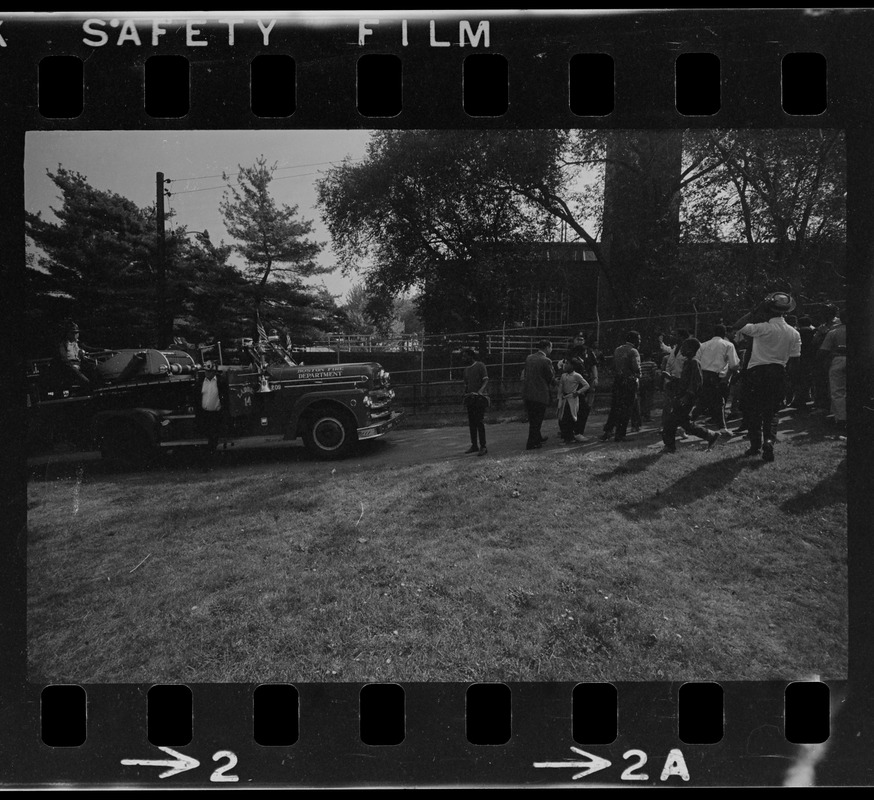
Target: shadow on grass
630, 467
804, 429
192, 463
708, 479
831, 490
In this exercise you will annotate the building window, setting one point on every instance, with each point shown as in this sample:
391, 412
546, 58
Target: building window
549, 307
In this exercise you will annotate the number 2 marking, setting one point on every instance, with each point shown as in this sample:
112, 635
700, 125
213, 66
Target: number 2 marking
629, 773
219, 775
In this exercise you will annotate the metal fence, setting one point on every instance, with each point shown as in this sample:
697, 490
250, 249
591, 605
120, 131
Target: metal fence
427, 370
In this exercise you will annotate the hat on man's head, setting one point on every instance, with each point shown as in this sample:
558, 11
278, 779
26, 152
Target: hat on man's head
780, 302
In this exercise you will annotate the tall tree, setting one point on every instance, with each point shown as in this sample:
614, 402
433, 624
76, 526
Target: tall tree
271, 239
207, 296
619, 192
779, 196
423, 211
95, 263
366, 315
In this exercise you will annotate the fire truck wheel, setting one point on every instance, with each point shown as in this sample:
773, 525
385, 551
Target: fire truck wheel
127, 445
329, 433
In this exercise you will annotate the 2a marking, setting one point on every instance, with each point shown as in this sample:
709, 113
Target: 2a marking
675, 765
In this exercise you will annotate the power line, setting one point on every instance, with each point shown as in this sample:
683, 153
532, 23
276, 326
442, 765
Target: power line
213, 188
234, 174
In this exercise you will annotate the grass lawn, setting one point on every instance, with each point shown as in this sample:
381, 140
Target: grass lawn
616, 563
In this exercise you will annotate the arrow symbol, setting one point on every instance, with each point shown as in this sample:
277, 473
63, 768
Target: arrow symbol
592, 764
181, 762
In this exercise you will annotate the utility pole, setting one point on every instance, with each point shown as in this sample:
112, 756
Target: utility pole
163, 338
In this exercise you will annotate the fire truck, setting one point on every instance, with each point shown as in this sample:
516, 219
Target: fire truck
146, 400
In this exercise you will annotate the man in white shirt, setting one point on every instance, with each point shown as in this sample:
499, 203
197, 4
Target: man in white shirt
774, 343
718, 359
210, 407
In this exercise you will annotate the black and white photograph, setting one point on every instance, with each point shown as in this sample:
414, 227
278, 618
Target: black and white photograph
436, 398
437, 405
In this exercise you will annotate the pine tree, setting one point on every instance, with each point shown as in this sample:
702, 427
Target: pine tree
95, 263
272, 241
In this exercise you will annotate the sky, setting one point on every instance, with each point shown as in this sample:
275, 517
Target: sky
126, 162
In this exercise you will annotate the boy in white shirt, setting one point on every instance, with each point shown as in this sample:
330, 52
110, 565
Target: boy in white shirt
571, 386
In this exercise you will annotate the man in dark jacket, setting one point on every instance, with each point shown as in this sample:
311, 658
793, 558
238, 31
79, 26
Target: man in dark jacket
626, 373
537, 380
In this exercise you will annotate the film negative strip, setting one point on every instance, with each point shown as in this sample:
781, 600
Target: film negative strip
398, 618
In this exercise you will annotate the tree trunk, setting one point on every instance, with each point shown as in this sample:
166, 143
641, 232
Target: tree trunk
641, 223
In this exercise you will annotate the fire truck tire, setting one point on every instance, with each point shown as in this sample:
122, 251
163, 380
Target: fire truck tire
329, 433
126, 444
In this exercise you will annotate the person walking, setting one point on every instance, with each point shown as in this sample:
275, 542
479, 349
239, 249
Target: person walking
626, 373
718, 359
476, 401
673, 367
687, 391
538, 378
774, 343
834, 351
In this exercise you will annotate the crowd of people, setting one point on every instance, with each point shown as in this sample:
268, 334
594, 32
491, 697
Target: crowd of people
743, 375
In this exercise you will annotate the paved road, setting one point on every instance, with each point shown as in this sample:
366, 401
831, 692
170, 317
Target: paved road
408, 446
402, 447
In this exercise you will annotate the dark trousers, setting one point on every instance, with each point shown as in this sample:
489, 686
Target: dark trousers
210, 423
475, 416
635, 411
678, 415
75, 374
734, 392
566, 424
642, 406
762, 398
645, 393
621, 406
802, 385
821, 392
536, 412
670, 392
713, 395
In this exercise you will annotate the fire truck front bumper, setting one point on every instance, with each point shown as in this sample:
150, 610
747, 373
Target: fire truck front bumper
380, 428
